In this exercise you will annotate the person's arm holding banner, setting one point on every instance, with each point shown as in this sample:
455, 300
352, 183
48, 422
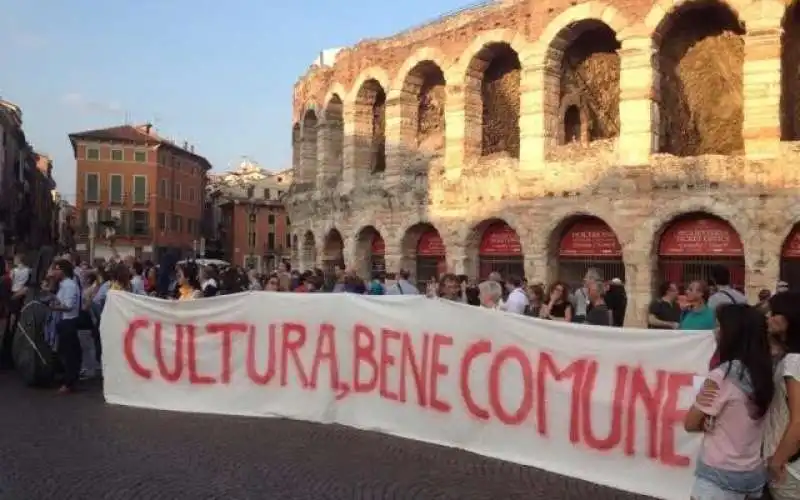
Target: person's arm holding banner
707, 405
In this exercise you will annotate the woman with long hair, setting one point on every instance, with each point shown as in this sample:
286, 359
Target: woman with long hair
558, 308
782, 437
730, 409
189, 287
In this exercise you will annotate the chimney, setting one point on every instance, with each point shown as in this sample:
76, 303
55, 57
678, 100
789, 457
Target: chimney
186, 145
147, 128
191, 148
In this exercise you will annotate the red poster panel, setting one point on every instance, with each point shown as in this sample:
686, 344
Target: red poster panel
431, 245
378, 245
500, 239
590, 238
700, 237
791, 249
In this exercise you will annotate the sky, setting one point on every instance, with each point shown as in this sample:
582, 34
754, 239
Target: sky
216, 74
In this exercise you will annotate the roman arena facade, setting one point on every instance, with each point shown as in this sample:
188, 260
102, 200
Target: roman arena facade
648, 139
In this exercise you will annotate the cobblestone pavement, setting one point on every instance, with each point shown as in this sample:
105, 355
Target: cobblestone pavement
76, 447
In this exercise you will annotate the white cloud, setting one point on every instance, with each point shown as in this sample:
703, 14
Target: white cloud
78, 101
30, 41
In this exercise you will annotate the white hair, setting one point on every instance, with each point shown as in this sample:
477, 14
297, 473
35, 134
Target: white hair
491, 289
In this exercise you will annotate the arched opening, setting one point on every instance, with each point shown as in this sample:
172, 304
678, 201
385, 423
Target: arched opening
572, 125
308, 253
371, 252
309, 139
296, 147
333, 252
790, 74
423, 109
493, 102
590, 72
692, 244
584, 242
701, 61
498, 249
424, 253
790, 259
334, 121
370, 115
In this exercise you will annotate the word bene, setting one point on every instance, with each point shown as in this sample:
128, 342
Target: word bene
411, 368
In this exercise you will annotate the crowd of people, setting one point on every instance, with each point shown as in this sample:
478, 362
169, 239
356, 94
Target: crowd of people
748, 408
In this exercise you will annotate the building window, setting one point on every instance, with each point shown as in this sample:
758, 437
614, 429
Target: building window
115, 188
141, 223
92, 188
288, 221
271, 219
266, 194
163, 188
288, 240
116, 155
140, 189
92, 154
177, 223
250, 191
271, 241
251, 239
191, 194
140, 156
177, 193
162, 221
280, 193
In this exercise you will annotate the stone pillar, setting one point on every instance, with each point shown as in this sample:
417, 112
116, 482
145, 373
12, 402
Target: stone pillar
323, 154
536, 269
457, 121
329, 152
538, 108
638, 286
397, 145
762, 89
638, 110
349, 150
308, 152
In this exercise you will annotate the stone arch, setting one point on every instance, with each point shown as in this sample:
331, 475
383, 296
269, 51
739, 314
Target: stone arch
369, 110
296, 148
579, 241
333, 250
700, 63
582, 65
422, 107
333, 143
308, 252
492, 77
336, 89
683, 262
790, 73
506, 256
421, 266
308, 139
370, 251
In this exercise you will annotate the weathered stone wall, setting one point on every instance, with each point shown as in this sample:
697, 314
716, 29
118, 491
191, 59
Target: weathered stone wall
621, 177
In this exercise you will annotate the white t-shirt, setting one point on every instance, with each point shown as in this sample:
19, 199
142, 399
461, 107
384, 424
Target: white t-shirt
19, 277
778, 414
517, 302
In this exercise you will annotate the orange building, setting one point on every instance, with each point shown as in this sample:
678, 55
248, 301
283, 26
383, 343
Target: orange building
148, 187
251, 225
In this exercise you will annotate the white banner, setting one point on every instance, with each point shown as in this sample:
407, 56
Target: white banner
600, 404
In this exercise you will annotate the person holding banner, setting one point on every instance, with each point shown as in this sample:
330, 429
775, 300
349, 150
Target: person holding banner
731, 409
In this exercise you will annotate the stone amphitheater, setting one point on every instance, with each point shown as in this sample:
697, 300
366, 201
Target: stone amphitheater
651, 140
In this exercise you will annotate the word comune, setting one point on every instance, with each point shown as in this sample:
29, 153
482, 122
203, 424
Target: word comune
542, 395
